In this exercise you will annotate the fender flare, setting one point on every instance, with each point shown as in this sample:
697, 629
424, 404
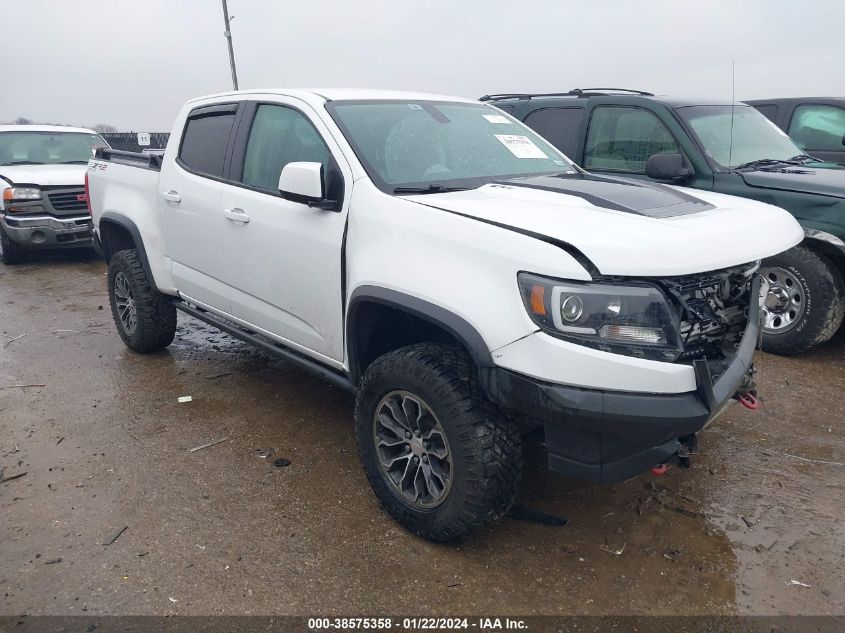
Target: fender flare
455, 325
127, 224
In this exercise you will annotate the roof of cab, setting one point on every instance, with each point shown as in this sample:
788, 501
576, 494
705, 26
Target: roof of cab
45, 128
339, 94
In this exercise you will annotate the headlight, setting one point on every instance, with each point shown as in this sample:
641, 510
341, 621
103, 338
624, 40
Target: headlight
635, 319
20, 194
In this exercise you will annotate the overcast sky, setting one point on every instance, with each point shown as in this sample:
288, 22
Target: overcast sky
132, 63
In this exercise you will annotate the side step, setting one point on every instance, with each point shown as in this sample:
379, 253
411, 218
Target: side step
271, 347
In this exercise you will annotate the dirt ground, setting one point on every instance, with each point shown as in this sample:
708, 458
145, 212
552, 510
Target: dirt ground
105, 444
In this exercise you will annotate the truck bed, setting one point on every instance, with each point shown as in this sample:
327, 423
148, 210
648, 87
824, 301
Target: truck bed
133, 159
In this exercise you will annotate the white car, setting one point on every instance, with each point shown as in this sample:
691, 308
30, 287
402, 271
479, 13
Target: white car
464, 278
42, 170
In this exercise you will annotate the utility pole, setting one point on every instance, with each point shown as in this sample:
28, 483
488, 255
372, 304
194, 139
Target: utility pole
228, 34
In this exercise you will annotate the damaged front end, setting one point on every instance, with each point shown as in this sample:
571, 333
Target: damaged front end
715, 310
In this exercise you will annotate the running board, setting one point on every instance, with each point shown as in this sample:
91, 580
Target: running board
269, 346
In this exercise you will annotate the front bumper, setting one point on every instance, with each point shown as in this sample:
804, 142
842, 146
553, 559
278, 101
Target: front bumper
608, 436
46, 231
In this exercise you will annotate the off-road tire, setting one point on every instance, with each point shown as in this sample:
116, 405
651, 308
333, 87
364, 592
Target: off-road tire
824, 307
155, 313
10, 252
486, 447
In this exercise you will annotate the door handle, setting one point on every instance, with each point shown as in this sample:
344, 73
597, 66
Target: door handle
239, 216
171, 196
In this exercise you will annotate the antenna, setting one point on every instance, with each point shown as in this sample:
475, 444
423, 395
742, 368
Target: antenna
228, 35
733, 107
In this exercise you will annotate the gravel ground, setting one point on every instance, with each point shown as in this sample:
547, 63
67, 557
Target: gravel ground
105, 445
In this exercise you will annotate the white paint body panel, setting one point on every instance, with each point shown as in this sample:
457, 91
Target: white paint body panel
282, 274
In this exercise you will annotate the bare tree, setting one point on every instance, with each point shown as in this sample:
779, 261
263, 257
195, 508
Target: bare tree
104, 128
22, 121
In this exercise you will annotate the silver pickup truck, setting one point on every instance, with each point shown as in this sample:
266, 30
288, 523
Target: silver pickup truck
44, 203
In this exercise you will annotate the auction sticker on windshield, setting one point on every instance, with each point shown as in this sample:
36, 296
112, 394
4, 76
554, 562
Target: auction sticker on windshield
520, 146
496, 118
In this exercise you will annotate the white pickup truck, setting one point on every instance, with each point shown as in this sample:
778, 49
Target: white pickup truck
42, 168
455, 271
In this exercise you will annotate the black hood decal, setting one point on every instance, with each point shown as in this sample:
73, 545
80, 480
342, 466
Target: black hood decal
620, 194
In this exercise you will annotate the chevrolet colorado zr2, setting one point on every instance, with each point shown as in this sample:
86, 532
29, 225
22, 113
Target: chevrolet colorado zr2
458, 274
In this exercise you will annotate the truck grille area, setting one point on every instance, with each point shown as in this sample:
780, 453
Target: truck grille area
713, 312
68, 199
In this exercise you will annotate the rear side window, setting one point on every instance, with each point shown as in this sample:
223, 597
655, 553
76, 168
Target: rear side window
560, 126
818, 127
205, 139
622, 139
769, 110
280, 135
506, 107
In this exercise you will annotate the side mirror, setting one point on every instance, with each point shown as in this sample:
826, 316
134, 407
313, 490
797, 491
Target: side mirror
667, 167
303, 182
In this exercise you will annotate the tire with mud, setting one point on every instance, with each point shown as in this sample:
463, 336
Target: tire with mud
10, 252
145, 318
439, 456
805, 303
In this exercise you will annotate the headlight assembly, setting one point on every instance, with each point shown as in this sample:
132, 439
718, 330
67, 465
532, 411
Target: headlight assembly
633, 318
21, 194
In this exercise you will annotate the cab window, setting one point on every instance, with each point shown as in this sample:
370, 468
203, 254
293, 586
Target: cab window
818, 127
206, 137
560, 126
280, 135
622, 139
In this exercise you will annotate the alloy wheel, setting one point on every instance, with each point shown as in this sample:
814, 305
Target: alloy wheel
125, 303
412, 449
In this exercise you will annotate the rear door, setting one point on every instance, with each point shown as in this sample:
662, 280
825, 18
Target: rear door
189, 193
819, 129
284, 258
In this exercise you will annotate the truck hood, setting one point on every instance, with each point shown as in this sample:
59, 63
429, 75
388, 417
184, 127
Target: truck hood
825, 182
43, 175
630, 227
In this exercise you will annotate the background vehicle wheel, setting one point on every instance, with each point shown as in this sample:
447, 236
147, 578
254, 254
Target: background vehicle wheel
437, 454
805, 302
145, 318
10, 252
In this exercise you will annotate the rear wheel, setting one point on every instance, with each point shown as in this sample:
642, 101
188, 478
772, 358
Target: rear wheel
804, 303
439, 457
10, 252
145, 318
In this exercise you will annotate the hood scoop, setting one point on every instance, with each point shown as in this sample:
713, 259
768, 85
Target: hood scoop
618, 194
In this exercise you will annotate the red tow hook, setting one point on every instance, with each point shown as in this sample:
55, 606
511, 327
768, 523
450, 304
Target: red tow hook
659, 470
748, 400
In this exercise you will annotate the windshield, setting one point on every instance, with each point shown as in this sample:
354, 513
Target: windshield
440, 145
47, 148
754, 136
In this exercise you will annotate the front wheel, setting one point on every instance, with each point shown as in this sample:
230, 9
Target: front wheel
804, 303
439, 457
10, 252
145, 318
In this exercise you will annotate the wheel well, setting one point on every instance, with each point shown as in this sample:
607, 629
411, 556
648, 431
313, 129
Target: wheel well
114, 238
830, 251
377, 328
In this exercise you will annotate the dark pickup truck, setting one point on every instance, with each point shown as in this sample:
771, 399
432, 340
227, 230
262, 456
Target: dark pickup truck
728, 148
816, 124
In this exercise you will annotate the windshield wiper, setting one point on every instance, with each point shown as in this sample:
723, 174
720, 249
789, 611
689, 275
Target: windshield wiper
24, 162
432, 188
764, 162
73, 162
803, 158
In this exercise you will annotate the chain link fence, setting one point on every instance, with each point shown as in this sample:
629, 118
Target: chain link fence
128, 141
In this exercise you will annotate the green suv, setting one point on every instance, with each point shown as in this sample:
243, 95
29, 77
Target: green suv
728, 148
